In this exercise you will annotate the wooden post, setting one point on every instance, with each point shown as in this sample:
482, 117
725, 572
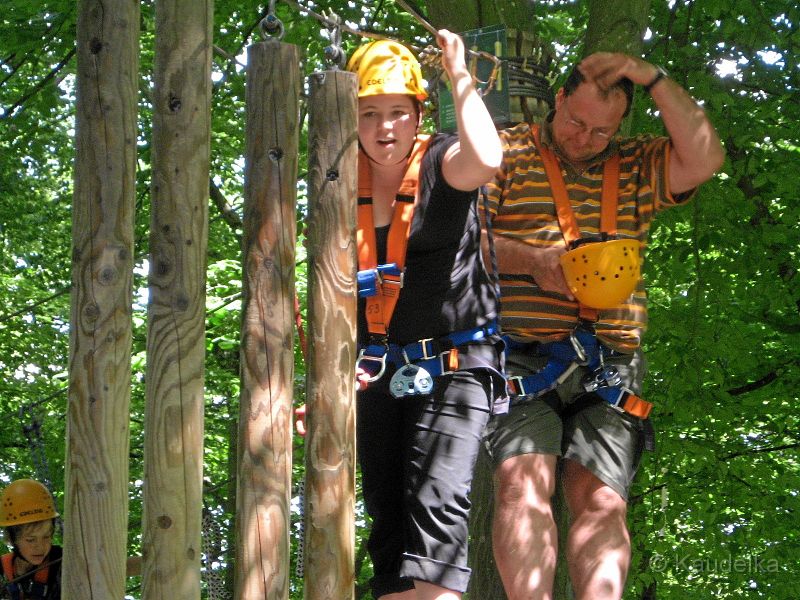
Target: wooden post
330, 445
173, 454
265, 414
96, 501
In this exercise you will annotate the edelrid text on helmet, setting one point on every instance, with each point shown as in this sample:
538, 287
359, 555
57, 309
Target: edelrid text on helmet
386, 67
602, 274
25, 501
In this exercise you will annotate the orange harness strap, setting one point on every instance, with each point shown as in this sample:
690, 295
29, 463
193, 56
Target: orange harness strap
8, 565
380, 306
40, 576
566, 216
569, 228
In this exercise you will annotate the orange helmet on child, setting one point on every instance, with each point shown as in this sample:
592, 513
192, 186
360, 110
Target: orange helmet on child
25, 501
387, 67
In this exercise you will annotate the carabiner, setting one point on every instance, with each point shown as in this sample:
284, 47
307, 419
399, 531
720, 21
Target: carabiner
378, 359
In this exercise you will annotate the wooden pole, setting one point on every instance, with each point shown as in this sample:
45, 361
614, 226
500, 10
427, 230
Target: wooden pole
173, 456
330, 445
96, 500
270, 232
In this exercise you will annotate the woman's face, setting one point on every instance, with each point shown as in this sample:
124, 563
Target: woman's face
387, 127
35, 540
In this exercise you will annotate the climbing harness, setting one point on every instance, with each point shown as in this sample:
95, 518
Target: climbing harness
417, 363
582, 349
34, 584
387, 281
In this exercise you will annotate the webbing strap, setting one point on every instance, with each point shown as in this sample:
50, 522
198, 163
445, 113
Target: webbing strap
40, 577
566, 216
381, 305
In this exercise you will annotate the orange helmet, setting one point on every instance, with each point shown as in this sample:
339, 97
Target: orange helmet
386, 67
25, 501
602, 274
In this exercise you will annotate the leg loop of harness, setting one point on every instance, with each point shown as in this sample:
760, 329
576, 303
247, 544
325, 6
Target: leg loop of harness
563, 357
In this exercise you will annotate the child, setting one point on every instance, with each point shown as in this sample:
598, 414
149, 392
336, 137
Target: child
32, 571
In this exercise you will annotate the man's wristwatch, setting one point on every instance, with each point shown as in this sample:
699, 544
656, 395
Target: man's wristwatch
660, 74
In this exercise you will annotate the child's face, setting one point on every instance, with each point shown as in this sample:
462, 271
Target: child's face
35, 541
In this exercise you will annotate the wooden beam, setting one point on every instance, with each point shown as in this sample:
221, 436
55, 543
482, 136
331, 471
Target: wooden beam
270, 232
330, 445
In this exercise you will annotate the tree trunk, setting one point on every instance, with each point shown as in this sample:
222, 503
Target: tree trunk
330, 443
173, 458
616, 26
267, 361
96, 500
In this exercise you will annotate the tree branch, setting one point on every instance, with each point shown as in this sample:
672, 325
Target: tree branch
755, 385
38, 87
761, 450
227, 211
29, 307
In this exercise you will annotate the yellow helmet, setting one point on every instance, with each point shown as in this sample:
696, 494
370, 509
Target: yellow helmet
602, 274
25, 501
386, 67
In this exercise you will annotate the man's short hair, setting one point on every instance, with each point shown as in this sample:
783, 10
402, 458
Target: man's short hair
623, 84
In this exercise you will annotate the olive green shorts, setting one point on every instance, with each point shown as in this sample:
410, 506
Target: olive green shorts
609, 443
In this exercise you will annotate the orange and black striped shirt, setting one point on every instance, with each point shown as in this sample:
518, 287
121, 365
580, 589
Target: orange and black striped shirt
522, 208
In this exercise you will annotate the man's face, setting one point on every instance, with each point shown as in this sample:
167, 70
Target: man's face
585, 121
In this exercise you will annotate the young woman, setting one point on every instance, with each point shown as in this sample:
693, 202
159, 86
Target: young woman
32, 571
430, 355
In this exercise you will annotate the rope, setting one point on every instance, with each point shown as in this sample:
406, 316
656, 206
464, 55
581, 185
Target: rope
213, 575
299, 568
332, 22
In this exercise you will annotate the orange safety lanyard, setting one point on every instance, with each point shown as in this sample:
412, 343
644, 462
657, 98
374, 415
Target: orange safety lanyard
566, 216
379, 307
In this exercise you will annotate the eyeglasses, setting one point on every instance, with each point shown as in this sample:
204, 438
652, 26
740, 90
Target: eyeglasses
597, 134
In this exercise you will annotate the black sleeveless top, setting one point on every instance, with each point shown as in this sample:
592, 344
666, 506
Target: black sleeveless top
446, 287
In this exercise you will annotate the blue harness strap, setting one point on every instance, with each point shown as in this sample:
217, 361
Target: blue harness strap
563, 357
437, 356
416, 365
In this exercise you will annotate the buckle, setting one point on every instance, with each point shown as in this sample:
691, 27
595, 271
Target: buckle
381, 360
515, 381
423, 346
390, 274
451, 364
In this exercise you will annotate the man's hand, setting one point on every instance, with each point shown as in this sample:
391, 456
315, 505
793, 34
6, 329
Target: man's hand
606, 68
545, 268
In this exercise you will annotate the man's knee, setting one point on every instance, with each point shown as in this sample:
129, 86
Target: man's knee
587, 495
527, 480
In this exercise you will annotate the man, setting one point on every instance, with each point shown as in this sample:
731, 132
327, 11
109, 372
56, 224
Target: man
576, 412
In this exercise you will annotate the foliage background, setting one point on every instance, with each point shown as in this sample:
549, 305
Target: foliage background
715, 509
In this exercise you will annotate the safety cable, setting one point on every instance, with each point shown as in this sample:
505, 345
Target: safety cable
427, 54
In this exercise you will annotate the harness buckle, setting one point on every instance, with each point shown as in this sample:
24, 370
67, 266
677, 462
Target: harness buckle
381, 360
516, 385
